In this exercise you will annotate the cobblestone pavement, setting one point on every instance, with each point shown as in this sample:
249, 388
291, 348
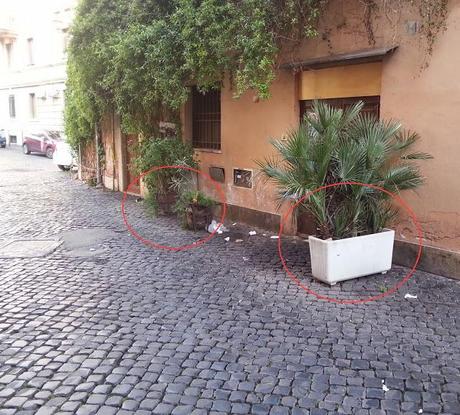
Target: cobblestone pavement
105, 325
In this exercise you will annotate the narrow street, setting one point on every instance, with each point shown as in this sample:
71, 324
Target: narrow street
94, 322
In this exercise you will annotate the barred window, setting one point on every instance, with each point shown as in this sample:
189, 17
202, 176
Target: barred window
371, 104
12, 106
206, 119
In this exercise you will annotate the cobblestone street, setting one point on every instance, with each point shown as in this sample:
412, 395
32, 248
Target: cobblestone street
106, 325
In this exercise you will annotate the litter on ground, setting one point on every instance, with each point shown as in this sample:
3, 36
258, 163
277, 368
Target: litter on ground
252, 233
227, 238
219, 226
274, 237
409, 296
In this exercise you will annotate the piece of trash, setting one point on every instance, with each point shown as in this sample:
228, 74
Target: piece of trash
385, 387
92, 249
408, 296
227, 238
420, 411
239, 240
214, 225
274, 237
234, 224
252, 233
264, 234
245, 258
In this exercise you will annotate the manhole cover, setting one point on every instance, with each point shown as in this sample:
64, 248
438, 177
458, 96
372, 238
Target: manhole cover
28, 248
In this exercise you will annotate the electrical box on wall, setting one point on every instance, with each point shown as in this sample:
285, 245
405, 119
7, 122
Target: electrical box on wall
217, 174
242, 178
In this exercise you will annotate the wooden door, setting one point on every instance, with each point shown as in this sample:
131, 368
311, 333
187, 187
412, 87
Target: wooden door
131, 142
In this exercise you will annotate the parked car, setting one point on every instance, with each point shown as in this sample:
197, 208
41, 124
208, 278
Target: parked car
2, 138
43, 142
63, 155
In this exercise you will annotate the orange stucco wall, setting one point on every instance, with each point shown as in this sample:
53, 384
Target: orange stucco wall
246, 128
425, 98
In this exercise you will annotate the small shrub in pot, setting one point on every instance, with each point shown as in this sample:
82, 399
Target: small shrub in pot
161, 184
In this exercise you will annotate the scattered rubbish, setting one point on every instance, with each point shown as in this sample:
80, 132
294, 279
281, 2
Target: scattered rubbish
274, 237
420, 411
238, 240
252, 233
409, 296
92, 249
214, 225
227, 238
245, 258
234, 224
385, 387
264, 234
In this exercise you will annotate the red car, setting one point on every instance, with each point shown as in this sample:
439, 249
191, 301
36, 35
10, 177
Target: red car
43, 142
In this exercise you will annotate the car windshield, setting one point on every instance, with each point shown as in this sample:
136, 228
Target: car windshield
54, 134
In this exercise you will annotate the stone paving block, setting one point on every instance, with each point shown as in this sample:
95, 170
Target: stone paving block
130, 329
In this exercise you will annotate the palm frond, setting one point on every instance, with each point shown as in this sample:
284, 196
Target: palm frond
333, 145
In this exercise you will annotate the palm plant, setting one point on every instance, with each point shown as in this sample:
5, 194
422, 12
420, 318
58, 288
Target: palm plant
333, 145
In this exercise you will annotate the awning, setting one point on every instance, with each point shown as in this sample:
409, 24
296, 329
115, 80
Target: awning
351, 58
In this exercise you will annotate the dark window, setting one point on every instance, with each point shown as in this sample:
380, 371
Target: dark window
32, 106
9, 55
242, 178
371, 104
30, 50
206, 119
12, 106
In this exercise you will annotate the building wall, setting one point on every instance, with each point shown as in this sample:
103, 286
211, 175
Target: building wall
417, 89
34, 65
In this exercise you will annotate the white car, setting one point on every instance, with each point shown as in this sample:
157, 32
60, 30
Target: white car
63, 155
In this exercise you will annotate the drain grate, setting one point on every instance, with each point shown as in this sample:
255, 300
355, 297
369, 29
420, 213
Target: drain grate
28, 248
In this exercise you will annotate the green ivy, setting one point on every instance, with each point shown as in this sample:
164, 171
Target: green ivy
139, 57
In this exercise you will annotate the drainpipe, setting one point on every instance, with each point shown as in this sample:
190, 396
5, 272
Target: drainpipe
80, 172
98, 167
113, 154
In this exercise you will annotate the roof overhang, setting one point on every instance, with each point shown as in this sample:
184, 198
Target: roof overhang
351, 58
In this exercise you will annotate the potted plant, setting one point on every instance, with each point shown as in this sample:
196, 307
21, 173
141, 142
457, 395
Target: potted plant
161, 184
195, 209
331, 146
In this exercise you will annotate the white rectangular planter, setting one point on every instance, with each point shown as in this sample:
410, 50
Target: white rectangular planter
344, 259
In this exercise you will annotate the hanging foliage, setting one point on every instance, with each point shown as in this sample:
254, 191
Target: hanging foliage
139, 57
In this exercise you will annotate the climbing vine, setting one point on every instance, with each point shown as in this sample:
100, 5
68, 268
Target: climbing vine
139, 57
432, 15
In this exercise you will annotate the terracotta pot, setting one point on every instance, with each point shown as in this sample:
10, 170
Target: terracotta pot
198, 217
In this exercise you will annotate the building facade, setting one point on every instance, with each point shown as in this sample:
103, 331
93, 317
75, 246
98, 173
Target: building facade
391, 69
398, 78
33, 38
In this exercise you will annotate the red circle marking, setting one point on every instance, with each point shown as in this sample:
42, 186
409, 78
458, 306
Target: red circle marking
152, 244
393, 289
